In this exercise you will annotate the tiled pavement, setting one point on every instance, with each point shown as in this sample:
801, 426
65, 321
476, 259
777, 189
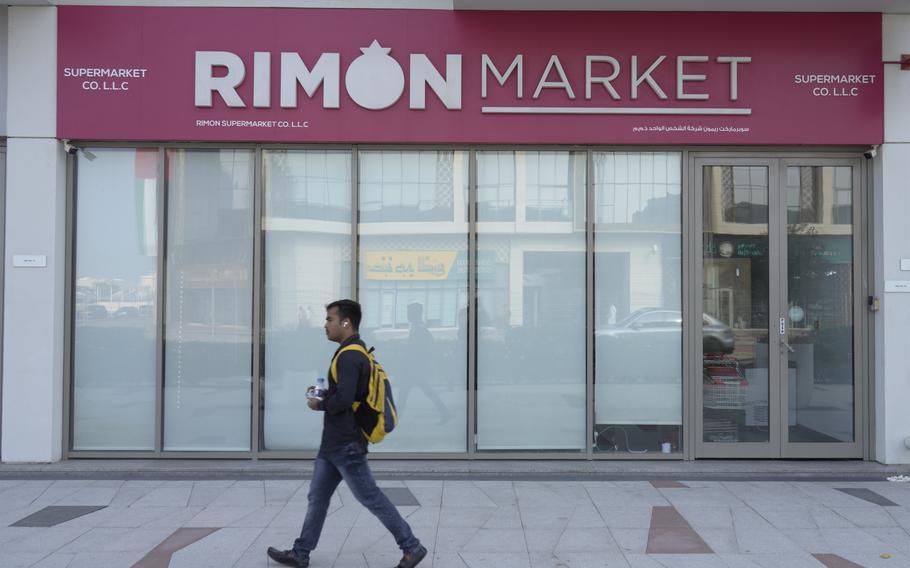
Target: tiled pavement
465, 524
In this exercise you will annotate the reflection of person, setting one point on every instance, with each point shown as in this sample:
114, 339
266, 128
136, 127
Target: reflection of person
342, 453
419, 361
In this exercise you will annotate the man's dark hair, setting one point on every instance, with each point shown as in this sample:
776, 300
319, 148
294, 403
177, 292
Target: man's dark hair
347, 310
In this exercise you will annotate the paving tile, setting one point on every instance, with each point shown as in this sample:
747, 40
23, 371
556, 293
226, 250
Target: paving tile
810, 540
117, 540
464, 494
175, 517
778, 560
555, 493
690, 561
835, 561
447, 560
132, 491
671, 534
578, 560
475, 517
826, 518
673, 540
19, 559
260, 518
367, 539
429, 493
91, 495
221, 548
500, 492
168, 495
44, 540
401, 496
542, 540
868, 495
587, 540
386, 558
496, 540
54, 515
790, 518
867, 517
214, 516
134, 517
54, 561
626, 517
279, 491
895, 537
720, 540
707, 517
496, 559
643, 561
347, 560
452, 539
546, 517
631, 541
586, 516
242, 494
668, 484
162, 554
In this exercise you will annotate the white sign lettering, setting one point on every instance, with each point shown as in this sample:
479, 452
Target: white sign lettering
375, 80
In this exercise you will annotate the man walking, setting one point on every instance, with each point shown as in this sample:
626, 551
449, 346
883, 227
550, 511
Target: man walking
342, 453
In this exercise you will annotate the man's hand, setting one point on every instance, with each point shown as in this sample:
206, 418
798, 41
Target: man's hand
313, 403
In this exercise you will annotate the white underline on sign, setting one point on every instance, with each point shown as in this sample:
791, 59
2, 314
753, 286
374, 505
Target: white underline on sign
613, 110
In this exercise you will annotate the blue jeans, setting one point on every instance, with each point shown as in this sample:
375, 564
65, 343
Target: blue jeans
349, 463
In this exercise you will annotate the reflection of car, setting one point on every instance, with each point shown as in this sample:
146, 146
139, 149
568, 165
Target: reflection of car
94, 311
648, 325
127, 312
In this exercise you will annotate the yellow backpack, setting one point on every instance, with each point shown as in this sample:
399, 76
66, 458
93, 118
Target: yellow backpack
376, 415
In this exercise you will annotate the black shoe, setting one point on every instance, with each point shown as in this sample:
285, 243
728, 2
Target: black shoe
288, 558
413, 558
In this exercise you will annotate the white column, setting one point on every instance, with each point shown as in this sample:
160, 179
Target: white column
32, 418
892, 207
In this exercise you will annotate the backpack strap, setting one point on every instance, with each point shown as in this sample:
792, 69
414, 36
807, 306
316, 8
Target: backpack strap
333, 370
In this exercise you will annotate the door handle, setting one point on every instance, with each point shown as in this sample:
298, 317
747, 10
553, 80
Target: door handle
787, 345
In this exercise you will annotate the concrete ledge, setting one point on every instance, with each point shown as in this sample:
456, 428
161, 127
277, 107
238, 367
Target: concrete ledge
567, 470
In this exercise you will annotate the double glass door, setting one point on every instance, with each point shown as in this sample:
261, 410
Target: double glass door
779, 308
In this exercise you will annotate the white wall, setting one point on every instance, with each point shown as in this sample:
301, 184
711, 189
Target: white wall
35, 224
893, 204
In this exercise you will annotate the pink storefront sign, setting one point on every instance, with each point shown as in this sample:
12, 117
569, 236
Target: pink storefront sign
421, 76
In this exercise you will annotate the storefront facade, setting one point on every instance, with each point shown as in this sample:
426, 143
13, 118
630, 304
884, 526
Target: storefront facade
574, 235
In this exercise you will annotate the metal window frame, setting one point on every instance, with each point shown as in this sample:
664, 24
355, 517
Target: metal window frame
690, 292
3, 277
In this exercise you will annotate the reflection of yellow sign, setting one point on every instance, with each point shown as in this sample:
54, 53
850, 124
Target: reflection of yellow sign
408, 264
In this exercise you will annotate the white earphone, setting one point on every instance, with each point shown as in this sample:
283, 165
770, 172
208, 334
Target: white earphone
344, 324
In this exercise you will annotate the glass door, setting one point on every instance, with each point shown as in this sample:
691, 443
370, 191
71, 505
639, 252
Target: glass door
739, 264
817, 322
777, 306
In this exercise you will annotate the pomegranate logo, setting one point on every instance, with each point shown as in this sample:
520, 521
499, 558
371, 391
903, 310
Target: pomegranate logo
374, 80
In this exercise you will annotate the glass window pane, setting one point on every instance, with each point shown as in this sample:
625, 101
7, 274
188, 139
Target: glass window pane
637, 297
736, 288
820, 306
208, 333
307, 265
115, 299
408, 187
413, 287
531, 306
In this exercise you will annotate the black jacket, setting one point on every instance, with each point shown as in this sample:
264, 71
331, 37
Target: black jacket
339, 427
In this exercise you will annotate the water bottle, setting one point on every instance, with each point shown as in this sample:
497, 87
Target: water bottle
320, 388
